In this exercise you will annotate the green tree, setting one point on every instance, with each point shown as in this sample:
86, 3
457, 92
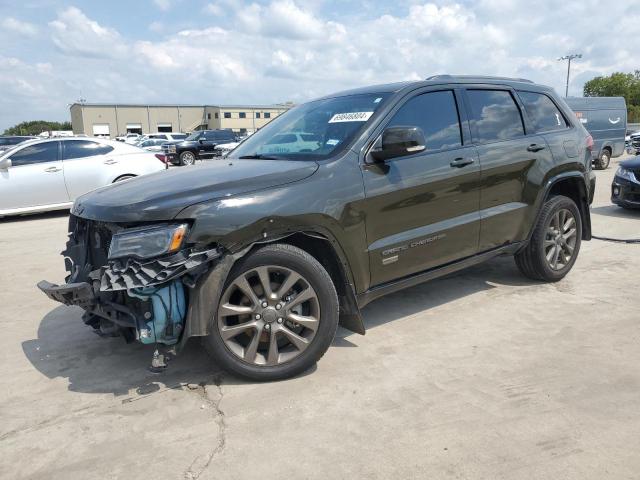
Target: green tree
35, 127
618, 84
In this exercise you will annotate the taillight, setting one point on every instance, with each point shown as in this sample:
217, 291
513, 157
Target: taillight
590, 143
161, 157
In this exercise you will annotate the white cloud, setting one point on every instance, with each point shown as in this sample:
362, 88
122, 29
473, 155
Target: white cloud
281, 18
75, 34
17, 26
213, 9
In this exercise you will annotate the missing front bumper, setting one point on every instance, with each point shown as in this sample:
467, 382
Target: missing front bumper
80, 294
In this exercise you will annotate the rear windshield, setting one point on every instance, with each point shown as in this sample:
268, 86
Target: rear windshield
313, 130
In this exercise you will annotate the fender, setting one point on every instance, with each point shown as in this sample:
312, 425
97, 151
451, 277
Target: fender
583, 204
206, 294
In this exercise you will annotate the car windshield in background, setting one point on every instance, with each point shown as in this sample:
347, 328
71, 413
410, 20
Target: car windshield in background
313, 130
194, 136
12, 141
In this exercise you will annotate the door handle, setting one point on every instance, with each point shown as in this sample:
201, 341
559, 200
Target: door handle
461, 162
534, 147
52, 169
110, 162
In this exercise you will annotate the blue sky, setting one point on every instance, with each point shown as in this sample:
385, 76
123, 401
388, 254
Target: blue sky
237, 51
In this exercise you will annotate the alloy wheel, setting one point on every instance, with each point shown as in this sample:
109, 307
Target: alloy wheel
560, 239
268, 315
188, 158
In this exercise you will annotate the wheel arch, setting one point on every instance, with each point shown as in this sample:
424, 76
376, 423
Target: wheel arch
571, 185
124, 176
328, 252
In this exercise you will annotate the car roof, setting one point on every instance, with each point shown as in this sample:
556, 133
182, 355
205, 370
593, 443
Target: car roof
519, 83
103, 141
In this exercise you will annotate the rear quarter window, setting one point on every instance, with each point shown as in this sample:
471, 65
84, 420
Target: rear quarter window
542, 112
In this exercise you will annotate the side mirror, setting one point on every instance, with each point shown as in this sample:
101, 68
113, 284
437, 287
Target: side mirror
5, 163
398, 142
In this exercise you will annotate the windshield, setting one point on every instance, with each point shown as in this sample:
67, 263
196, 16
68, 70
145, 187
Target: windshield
194, 136
313, 130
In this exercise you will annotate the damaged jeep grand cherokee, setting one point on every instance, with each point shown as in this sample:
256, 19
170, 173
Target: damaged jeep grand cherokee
333, 204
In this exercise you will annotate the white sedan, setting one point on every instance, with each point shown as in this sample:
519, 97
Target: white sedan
41, 175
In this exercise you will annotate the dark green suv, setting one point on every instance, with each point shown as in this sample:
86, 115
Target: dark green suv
333, 204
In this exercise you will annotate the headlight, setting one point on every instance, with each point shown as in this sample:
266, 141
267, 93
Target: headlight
626, 174
148, 241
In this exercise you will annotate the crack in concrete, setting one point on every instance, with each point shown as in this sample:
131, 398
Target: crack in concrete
200, 463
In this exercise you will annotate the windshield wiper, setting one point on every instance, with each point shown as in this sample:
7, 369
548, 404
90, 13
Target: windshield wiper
259, 156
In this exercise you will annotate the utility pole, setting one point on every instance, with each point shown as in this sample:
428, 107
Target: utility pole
569, 58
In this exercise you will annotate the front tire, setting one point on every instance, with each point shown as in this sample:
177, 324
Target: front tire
277, 315
187, 158
555, 243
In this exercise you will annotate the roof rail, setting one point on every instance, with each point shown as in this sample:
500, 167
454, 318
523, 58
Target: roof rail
476, 77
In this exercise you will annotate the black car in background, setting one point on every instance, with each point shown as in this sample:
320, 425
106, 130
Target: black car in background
625, 190
197, 146
6, 142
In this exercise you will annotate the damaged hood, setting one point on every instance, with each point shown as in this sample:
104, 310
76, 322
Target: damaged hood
162, 195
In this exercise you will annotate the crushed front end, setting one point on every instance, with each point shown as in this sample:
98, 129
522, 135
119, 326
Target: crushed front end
132, 281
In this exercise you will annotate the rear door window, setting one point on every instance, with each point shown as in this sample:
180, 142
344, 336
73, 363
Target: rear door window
84, 148
494, 116
436, 114
40, 153
543, 113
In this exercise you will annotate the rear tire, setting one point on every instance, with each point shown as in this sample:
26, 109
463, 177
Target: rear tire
288, 335
555, 242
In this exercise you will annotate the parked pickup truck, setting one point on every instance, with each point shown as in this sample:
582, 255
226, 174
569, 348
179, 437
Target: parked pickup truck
197, 146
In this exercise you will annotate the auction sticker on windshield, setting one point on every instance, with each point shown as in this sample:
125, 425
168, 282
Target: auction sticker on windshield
351, 117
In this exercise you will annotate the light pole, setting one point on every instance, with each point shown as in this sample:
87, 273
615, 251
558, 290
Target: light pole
569, 57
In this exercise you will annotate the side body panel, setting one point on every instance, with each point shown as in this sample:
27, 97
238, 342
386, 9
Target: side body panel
511, 174
329, 202
33, 185
421, 213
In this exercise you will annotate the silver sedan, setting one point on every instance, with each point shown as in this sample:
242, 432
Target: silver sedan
41, 175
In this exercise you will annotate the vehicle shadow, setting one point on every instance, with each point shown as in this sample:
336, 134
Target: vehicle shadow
66, 348
34, 216
453, 287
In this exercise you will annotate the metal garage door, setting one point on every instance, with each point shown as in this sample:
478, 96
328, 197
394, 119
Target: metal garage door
101, 129
134, 128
